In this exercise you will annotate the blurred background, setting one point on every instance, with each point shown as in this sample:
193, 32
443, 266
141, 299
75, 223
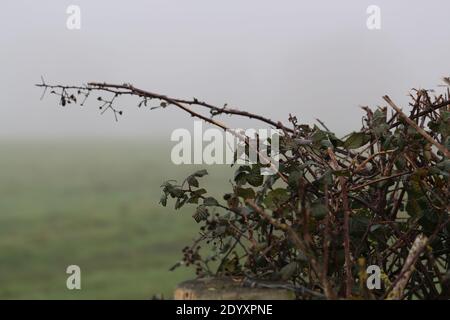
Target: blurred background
76, 187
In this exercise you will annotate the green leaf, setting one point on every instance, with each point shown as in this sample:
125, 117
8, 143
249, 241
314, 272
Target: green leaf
192, 181
210, 202
245, 193
255, 178
174, 191
193, 200
199, 192
240, 175
381, 130
379, 116
319, 210
356, 140
200, 173
294, 178
163, 200
417, 203
181, 201
251, 175
326, 143
318, 135
240, 179
275, 198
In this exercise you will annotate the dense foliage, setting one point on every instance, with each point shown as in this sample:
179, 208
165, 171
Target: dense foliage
346, 204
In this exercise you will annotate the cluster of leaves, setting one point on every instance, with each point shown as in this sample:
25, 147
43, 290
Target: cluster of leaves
344, 204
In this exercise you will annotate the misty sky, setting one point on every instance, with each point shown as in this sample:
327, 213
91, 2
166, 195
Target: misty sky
315, 59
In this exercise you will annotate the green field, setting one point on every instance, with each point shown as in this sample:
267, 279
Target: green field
93, 204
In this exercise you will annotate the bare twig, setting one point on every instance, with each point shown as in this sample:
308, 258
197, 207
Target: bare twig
419, 129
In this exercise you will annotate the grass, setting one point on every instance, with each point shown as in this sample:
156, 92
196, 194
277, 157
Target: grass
93, 204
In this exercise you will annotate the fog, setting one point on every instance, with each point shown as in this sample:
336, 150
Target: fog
315, 59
